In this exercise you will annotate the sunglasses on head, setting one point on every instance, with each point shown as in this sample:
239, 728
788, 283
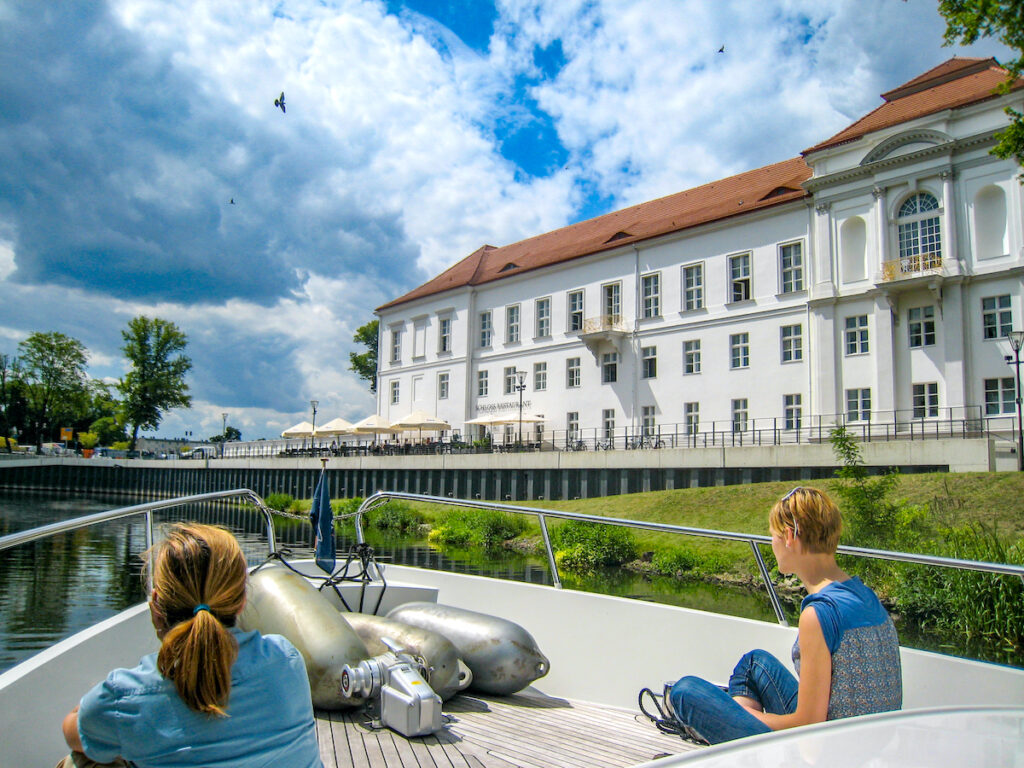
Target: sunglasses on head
792, 514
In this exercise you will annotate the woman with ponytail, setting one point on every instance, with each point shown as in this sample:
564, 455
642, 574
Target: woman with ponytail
212, 695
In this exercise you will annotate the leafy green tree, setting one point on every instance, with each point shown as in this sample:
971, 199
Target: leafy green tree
364, 364
110, 430
10, 386
967, 21
53, 372
156, 382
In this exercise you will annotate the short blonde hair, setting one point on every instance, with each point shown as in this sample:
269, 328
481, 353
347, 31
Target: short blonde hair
813, 517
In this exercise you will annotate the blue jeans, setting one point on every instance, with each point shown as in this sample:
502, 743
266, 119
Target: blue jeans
713, 714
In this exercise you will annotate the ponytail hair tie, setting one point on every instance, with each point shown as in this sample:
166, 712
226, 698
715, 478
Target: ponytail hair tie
201, 607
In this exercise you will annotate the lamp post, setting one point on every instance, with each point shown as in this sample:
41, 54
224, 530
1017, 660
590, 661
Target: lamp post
1016, 338
312, 435
521, 378
223, 432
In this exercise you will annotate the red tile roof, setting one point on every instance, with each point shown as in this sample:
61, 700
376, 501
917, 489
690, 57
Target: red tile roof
751, 191
954, 83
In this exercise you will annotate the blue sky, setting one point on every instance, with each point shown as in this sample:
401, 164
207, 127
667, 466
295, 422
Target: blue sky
415, 132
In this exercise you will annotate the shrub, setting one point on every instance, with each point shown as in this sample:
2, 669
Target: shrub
395, 516
282, 502
485, 528
584, 546
988, 608
675, 561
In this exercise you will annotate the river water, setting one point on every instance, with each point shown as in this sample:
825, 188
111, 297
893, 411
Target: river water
55, 587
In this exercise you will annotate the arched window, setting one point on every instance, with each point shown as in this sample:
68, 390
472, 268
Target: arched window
920, 233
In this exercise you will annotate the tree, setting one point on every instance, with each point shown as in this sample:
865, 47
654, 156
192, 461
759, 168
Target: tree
156, 382
53, 372
10, 375
364, 364
969, 20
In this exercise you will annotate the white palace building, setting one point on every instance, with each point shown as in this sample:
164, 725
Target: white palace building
869, 281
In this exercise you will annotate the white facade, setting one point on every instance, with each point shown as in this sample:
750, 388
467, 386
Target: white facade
886, 288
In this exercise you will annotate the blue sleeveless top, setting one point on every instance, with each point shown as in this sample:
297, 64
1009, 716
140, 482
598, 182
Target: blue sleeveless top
860, 635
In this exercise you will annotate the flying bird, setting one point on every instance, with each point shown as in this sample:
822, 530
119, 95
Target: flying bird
280, 102
720, 50
232, 201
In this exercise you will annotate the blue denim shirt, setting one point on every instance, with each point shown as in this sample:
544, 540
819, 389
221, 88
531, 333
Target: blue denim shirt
137, 714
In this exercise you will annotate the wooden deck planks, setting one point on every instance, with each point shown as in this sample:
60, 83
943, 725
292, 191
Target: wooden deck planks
529, 731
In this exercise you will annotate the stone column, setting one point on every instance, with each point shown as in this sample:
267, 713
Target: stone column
883, 352
881, 229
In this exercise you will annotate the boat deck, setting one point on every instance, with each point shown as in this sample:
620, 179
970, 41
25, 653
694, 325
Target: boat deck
528, 730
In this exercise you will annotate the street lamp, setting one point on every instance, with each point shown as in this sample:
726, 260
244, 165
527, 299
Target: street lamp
521, 378
223, 432
312, 436
1016, 338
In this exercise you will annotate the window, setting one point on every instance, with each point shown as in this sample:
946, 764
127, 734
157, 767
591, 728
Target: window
442, 386
856, 333
649, 364
693, 287
691, 413
575, 311
394, 392
919, 233
858, 404
486, 329
572, 372
996, 316
739, 277
792, 410
481, 384
926, 400
921, 326
543, 311
791, 267
650, 285
512, 324
691, 356
647, 420
612, 302
396, 345
739, 415
510, 380
609, 367
444, 334
792, 343
540, 376
739, 345
608, 423
572, 425
999, 396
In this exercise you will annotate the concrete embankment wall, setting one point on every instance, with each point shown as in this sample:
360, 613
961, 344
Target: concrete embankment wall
516, 476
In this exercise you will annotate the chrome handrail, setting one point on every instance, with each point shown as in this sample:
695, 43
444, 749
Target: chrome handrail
381, 497
63, 526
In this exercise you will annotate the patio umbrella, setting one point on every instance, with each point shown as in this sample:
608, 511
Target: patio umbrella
336, 426
420, 420
302, 429
322, 517
373, 425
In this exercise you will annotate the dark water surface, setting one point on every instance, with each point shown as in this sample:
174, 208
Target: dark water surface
55, 587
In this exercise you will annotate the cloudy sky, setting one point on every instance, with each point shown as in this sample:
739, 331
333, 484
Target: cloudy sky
415, 132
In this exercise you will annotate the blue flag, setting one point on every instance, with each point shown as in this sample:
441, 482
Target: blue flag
322, 518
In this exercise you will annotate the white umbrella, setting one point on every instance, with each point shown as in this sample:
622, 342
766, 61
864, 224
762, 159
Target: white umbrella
420, 420
302, 429
335, 427
374, 425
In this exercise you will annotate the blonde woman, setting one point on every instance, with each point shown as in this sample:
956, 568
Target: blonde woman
213, 695
846, 652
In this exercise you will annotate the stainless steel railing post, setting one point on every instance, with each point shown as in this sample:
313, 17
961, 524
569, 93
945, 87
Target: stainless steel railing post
551, 554
772, 595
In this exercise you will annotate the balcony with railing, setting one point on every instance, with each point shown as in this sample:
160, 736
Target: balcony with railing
603, 331
915, 265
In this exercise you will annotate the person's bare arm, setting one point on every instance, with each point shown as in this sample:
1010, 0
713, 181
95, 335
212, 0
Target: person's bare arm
815, 679
70, 728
